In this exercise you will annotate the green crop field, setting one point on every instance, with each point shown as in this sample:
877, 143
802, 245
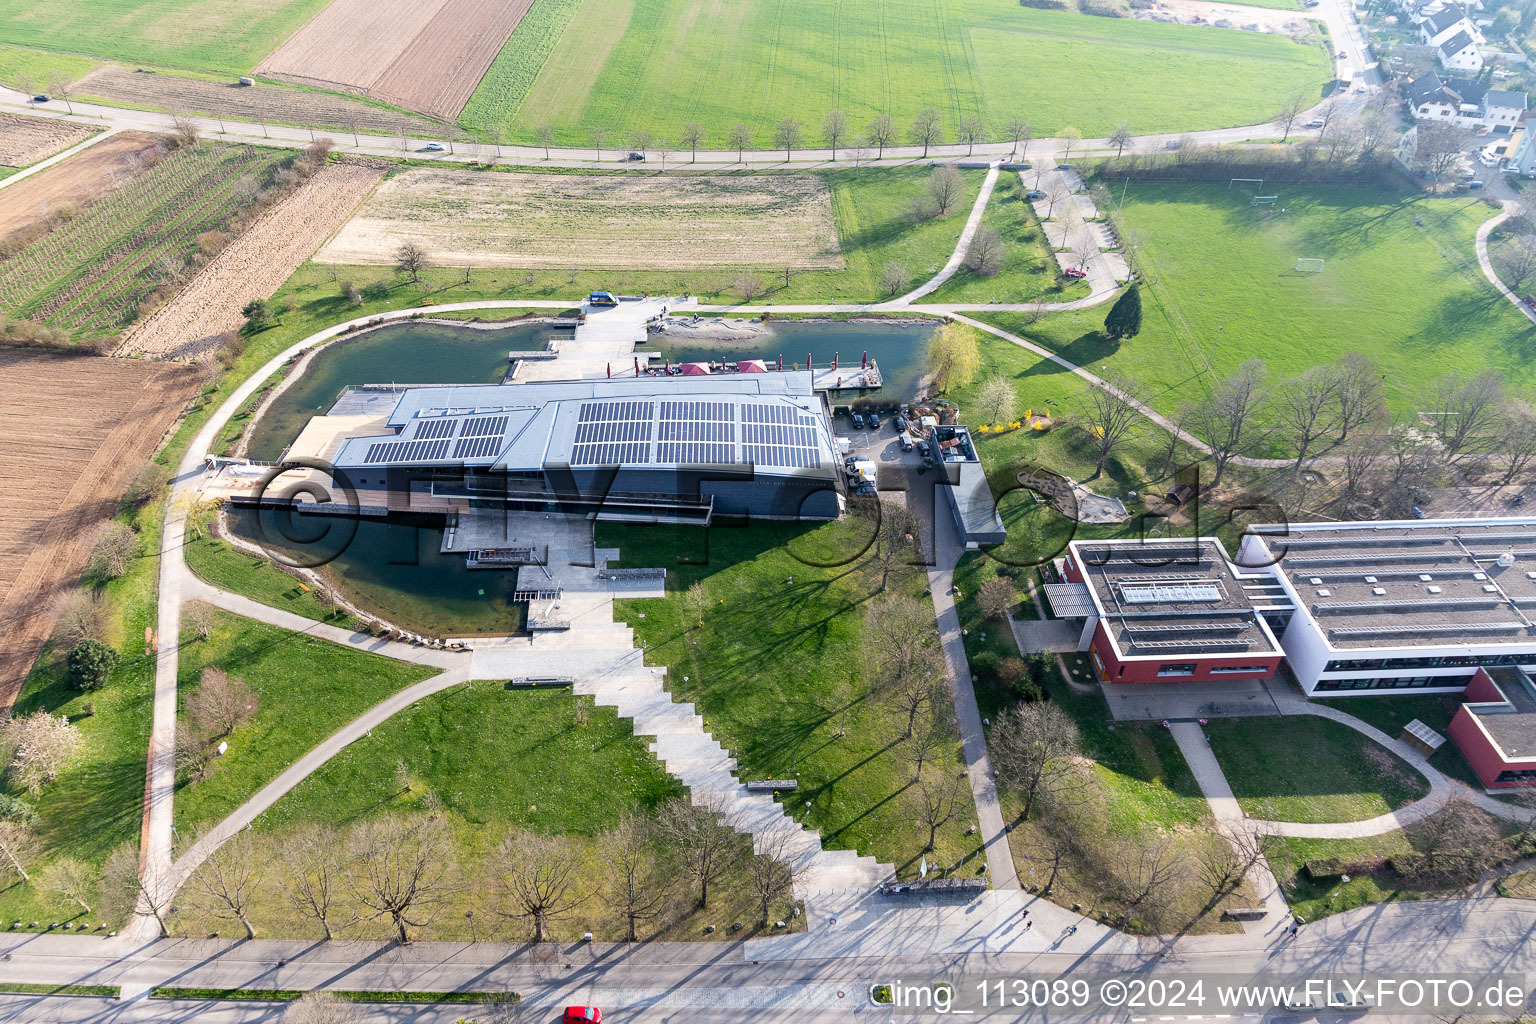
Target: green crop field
623, 65
206, 35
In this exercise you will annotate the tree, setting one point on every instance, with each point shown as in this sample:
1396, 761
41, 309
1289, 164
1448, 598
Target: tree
1113, 416
18, 847
544, 134
69, 880
927, 130
985, 256
945, 188
700, 832
739, 138
1121, 138
1361, 457
636, 888
219, 703
60, 85
127, 891
893, 541
787, 136
79, 619
1360, 393
411, 259
402, 870
1466, 408
954, 357
1440, 145
1225, 419
880, 133
693, 134
1070, 137
750, 285
640, 140
598, 134
1515, 261
922, 747
906, 664
834, 129
90, 664
1224, 863
314, 866
933, 801
769, 870
227, 880
1124, 317
1142, 877
1372, 130
198, 617
663, 149
1035, 749
859, 153
996, 597
352, 293
1454, 840
894, 278
1289, 113
185, 131
148, 483
1018, 131
114, 552
1517, 438
997, 399
971, 130
322, 1007
537, 875
1309, 408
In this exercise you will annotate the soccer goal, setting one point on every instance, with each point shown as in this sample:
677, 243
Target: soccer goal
1259, 182
1263, 201
1309, 266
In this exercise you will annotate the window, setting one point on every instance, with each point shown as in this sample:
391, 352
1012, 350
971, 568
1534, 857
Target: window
1229, 670
1186, 668
1391, 683
1517, 775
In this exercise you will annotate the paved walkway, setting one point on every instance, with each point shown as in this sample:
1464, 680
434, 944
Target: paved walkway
962, 246
61, 155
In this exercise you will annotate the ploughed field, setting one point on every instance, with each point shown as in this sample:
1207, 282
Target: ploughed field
93, 173
26, 140
488, 219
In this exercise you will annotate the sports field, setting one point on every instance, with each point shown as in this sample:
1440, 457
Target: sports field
622, 65
1400, 285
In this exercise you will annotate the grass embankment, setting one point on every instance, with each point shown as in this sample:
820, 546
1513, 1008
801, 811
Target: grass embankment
870, 205
758, 64
1308, 769
228, 568
306, 689
1029, 272
1435, 710
776, 670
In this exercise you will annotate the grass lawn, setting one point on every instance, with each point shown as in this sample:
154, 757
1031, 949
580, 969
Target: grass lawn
776, 671
306, 688
228, 568
1309, 769
870, 206
1435, 710
759, 63
1029, 269
224, 37
33, 70
1401, 286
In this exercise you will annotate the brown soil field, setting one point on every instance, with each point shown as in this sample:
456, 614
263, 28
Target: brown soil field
254, 265
490, 219
423, 55
89, 174
439, 71
76, 430
26, 140
274, 103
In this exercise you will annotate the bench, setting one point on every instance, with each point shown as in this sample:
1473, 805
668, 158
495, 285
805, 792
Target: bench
771, 785
1244, 914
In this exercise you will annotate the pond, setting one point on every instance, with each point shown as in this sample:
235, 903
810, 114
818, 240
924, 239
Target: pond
409, 353
899, 349
391, 568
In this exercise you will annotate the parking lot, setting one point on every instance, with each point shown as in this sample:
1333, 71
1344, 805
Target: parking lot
896, 472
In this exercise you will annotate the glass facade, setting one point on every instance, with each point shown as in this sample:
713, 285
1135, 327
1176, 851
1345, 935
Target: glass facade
1517, 775
1436, 661
1390, 683
1182, 669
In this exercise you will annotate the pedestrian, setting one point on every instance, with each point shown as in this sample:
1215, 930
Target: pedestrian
1028, 925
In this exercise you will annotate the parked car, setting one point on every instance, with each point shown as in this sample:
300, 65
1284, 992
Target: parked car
858, 421
866, 491
1342, 55
900, 423
582, 1015
874, 421
1418, 513
1074, 273
1342, 1002
1475, 184
434, 147
905, 440
1034, 194
1316, 122
636, 156
1313, 3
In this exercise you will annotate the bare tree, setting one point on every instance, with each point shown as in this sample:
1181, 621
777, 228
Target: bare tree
536, 876
69, 880
1035, 748
1111, 416
1225, 419
1466, 409
402, 870
923, 747
927, 130
197, 616
787, 136
185, 131
1142, 877
971, 130
997, 399
314, 863
906, 663
1515, 261
114, 552
881, 131
1019, 132
640, 140
411, 259
1440, 145
322, 1007
1455, 840
225, 883
893, 542
1289, 113
750, 285
635, 886
858, 152
219, 703
18, 846
1361, 457
1057, 191
945, 188
61, 85
693, 134
985, 256
598, 134
128, 891
662, 148
739, 138
1070, 137
1372, 130
1361, 399
1516, 431
79, 618
894, 278
996, 598
769, 870
834, 129
1225, 862
933, 801
1308, 407
38, 746
700, 831
1121, 138
545, 134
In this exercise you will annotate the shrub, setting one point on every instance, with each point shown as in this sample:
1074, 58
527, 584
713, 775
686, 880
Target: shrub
149, 483
1326, 870
15, 809
114, 552
90, 664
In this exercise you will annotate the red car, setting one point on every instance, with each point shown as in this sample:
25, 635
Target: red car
1074, 273
582, 1015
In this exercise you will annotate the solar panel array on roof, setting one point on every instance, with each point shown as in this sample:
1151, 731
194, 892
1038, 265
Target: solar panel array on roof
482, 426
427, 430
613, 433
1169, 593
779, 435
476, 447
407, 451
696, 433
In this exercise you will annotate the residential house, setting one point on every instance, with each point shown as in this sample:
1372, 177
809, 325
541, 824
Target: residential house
1460, 53
1446, 23
1466, 104
1502, 110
